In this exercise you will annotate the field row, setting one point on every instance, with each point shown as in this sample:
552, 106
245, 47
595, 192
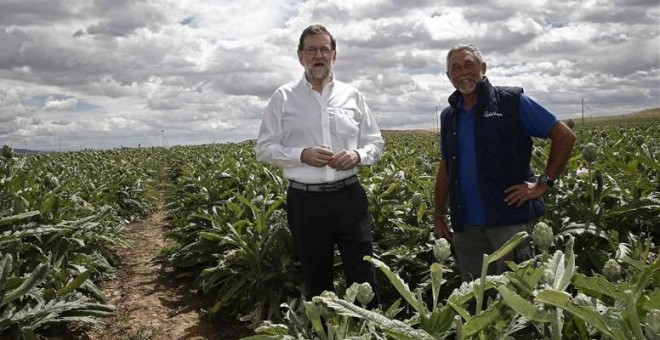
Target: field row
61, 215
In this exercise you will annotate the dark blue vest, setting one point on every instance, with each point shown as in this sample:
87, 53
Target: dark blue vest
503, 152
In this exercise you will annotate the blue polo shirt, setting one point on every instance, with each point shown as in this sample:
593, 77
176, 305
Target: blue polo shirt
536, 122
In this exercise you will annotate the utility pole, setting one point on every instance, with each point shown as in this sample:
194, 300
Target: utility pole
582, 110
162, 137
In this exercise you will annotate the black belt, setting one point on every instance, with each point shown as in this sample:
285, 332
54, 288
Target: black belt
324, 187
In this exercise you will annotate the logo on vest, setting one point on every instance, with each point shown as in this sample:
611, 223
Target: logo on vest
488, 114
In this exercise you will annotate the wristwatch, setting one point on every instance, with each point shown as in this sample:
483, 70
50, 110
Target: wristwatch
546, 180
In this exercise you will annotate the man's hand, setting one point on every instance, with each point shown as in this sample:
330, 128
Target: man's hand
518, 194
317, 156
345, 160
440, 228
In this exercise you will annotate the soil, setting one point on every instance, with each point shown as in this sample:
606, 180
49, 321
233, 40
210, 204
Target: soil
151, 303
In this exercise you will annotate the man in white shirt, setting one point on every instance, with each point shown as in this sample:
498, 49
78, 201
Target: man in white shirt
320, 130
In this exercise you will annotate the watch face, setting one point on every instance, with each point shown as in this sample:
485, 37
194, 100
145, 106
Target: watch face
544, 179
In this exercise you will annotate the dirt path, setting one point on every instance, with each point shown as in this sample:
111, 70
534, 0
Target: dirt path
151, 303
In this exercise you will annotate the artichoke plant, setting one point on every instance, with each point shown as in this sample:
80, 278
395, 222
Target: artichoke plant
612, 270
441, 249
542, 236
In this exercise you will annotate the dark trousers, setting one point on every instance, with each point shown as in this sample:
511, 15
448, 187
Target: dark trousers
318, 221
474, 241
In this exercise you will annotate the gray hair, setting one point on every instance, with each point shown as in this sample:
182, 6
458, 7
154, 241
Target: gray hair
465, 47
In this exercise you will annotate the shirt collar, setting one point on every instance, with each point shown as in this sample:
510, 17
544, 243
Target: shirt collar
330, 85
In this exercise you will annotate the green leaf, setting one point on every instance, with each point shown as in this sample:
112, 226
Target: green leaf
75, 283
211, 236
522, 306
508, 247
401, 286
526, 277
393, 310
89, 288
314, 314
440, 321
48, 203
49, 294
562, 300
563, 277
483, 320
27, 333
460, 310
5, 267
20, 217
394, 327
227, 296
597, 286
36, 277
268, 328
651, 301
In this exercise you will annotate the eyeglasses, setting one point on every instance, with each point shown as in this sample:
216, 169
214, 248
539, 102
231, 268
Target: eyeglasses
310, 51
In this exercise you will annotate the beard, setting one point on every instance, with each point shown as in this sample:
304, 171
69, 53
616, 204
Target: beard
467, 85
317, 73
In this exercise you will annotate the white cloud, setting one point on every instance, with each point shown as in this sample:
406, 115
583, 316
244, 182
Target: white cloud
116, 72
53, 104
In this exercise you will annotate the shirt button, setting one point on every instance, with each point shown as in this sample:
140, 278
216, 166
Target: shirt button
454, 158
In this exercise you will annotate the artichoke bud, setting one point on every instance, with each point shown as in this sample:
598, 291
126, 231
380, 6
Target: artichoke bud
365, 294
416, 199
542, 236
590, 152
639, 140
441, 249
612, 270
52, 182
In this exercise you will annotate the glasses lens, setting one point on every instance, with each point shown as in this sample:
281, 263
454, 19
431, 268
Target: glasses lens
312, 50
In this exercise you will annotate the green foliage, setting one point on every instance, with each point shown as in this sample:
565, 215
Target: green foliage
61, 213
570, 305
60, 216
570, 123
229, 219
599, 211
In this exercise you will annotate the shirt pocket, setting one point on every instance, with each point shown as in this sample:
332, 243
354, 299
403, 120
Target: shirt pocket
344, 121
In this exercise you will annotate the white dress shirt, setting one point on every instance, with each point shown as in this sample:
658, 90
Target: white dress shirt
298, 117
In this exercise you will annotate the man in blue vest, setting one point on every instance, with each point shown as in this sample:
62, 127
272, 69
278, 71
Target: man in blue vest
485, 183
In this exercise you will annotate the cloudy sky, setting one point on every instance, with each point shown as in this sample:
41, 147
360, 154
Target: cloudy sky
108, 73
